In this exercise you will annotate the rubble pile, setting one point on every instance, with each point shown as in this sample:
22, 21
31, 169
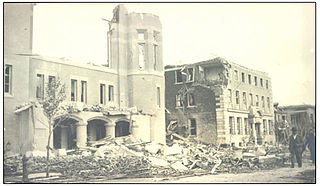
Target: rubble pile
129, 157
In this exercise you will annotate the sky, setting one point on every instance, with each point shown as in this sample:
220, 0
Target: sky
277, 38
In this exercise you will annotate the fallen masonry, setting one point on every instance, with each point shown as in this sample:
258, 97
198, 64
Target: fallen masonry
127, 157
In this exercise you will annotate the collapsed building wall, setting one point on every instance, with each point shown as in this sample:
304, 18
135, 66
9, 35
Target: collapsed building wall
242, 99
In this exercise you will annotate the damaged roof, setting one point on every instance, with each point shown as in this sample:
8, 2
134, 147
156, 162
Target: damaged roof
213, 62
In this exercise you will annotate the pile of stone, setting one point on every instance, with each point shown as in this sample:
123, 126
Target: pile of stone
128, 157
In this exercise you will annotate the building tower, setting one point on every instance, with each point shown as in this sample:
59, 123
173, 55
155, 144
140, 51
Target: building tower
135, 52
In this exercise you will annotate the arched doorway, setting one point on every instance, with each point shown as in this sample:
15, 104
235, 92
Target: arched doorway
122, 128
65, 135
96, 130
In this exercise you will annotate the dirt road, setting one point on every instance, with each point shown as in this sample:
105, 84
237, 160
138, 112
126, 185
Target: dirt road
305, 174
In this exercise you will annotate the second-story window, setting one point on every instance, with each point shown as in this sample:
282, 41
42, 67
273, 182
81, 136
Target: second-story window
251, 99
190, 98
102, 94
40, 86
261, 82
190, 74
244, 96
237, 97
111, 93
267, 84
255, 81
178, 76
230, 95
257, 100
83, 91
249, 79
179, 101
268, 102
243, 77
262, 100
74, 88
235, 74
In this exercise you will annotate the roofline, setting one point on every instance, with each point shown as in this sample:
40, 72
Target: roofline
214, 60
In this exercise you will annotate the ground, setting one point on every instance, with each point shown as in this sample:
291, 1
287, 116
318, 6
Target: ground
305, 174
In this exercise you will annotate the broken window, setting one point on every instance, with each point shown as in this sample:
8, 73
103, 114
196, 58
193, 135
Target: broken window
102, 94
40, 86
262, 100
141, 47
190, 74
268, 102
251, 99
244, 96
193, 126
179, 100
178, 76
249, 79
243, 77
8, 79
231, 125
235, 74
237, 97
239, 125
246, 126
155, 56
267, 84
257, 100
191, 101
83, 91
158, 97
110, 93
264, 127
74, 88
261, 82
255, 81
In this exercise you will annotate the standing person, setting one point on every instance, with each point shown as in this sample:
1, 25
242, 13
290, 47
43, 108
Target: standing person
310, 142
295, 147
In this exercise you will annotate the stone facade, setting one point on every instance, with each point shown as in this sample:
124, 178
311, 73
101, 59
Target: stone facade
238, 98
129, 87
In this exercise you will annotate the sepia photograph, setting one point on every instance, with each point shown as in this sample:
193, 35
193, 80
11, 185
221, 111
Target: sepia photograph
162, 92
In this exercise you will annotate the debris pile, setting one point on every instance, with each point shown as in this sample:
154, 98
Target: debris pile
129, 157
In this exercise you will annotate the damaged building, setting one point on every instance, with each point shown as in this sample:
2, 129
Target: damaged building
219, 102
300, 116
125, 96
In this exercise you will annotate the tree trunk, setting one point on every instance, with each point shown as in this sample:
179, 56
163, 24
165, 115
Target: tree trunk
48, 150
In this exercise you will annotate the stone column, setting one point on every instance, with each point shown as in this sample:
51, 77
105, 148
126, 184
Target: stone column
81, 134
110, 129
64, 137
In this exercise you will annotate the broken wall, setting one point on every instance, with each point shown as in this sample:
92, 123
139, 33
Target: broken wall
204, 110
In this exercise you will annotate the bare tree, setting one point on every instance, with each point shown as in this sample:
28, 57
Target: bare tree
54, 95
